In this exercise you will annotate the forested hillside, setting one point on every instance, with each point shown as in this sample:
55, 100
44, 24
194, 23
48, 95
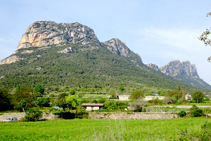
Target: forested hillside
82, 66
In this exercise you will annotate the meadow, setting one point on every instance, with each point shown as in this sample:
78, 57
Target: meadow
99, 130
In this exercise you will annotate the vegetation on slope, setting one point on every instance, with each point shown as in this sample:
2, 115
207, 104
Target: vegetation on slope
85, 67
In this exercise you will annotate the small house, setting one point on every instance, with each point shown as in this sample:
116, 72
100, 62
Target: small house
124, 97
188, 97
147, 98
93, 106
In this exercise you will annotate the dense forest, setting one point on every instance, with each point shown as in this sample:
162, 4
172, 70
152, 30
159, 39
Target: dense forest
85, 66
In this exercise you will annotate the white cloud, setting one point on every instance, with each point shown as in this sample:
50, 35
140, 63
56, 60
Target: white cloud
186, 39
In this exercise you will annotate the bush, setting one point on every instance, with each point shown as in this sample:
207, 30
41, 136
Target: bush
42, 101
72, 92
94, 101
197, 113
202, 134
102, 100
52, 95
81, 95
182, 113
32, 115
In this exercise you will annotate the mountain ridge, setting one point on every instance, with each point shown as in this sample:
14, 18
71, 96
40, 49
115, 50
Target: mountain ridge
48, 48
184, 71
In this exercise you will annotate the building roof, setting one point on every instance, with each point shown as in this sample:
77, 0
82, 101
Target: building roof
93, 104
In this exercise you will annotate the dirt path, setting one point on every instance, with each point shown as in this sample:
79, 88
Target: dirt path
185, 106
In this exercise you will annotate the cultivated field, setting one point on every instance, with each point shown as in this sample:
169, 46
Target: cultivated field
99, 130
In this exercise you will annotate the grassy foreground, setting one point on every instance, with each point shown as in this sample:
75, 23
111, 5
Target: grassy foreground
99, 130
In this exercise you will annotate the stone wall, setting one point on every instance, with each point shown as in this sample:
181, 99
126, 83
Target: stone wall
11, 115
21, 115
132, 115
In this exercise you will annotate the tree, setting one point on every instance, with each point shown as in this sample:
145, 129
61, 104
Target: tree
137, 95
17, 88
101, 100
33, 115
71, 101
22, 104
176, 93
198, 96
5, 99
42, 101
137, 105
24, 93
72, 92
39, 89
61, 101
121, 88
204, 37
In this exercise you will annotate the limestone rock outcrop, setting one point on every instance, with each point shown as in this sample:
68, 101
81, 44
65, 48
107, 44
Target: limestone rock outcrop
44, 33
153, 66
66, 50
176, 67
118, 47
10, 60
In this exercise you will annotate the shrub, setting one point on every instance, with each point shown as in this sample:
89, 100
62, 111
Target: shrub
197, 113
32, 115
94, 101
72, 92
202, 134
42, 101
83, 101
81, 95
102, 100
182, 113
52, 95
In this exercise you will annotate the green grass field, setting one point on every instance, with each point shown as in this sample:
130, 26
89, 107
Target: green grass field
99, 130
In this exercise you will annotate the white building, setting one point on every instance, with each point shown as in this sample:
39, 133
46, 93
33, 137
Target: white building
123, 97
188, 97
147, 98
93, 106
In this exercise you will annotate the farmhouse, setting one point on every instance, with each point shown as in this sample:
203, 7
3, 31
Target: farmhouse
93, 106
188, 97
124, 97
147, 98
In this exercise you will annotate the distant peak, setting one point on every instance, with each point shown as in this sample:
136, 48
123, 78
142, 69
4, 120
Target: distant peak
44, 33
176, 67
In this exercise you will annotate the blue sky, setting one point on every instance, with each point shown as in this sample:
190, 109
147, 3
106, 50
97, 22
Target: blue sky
158, 30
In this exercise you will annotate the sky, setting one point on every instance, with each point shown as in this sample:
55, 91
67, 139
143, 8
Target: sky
160, 31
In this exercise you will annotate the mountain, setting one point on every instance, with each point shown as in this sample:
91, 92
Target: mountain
69, 55
184, 71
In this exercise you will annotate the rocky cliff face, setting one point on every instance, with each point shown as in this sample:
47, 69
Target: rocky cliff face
118, 47
44, 33
175, 68
184, 71
10, 60
153, 66
47, 33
